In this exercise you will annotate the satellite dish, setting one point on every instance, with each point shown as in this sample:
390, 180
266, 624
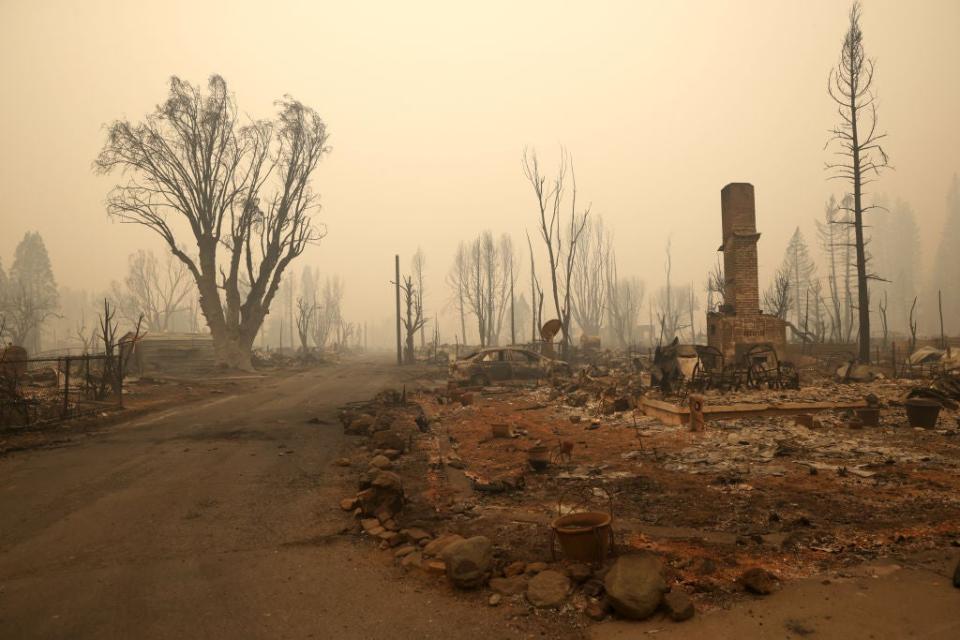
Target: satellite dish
550, 329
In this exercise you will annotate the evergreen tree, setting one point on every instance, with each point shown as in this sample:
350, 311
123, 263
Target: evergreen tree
946, 267
32, 294
802, 272
828, 234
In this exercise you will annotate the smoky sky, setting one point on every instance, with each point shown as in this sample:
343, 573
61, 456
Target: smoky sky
430, 105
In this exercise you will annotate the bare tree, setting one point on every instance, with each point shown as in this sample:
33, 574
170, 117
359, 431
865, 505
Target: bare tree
243, 191
858, 141
829, 245
882, 306
776, 299
561, 254
306, 310
154, 292
417, 264
482, 274
624, 299
716, 285
458, 280
589, 290
668, 312
536, 296
413, 321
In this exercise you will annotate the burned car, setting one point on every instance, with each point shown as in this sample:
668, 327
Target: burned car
497, 364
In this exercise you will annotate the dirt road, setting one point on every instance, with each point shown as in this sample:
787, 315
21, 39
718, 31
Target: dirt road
213, 520
218, 519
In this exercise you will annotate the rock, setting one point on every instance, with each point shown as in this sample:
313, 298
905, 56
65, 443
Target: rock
548, 589
392, 538
436, 547
468, 561
387, 480
360, 425
389, 440
435, 567
534, 568
412, 560
596, 611
405, 550
415, 535
679, 606
343, 462
383, 422
363, 481
956, 576
369, 524
758, 581
495, 600
385, 496
381, 462
512, 586
593, 587
393, 454
579, 572
635, 586
515, 568
349, 504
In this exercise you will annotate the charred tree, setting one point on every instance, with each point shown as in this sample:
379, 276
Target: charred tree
858, 144
241, 189
561, 238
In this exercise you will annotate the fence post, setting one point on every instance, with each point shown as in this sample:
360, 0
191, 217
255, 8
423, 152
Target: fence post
66, 386
119, 386
893, 356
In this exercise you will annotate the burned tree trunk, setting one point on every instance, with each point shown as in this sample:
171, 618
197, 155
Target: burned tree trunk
850, 86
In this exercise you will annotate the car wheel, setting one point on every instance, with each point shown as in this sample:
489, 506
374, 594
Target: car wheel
479, 380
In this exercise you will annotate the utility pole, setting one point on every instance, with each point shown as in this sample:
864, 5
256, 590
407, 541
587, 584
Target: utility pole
396, 283
513, 326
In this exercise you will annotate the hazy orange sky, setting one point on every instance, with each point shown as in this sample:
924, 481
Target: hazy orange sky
430, 104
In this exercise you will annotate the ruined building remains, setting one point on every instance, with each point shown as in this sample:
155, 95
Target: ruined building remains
740, 323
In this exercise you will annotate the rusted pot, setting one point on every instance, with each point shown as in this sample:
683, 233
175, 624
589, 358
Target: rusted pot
584, 537
538, 457
922, 412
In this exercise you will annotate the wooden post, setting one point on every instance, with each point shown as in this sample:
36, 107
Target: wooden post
696, 403
943, 337
66, 386
396, 265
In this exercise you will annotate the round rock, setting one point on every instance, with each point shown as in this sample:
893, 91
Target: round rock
548, 589
635, 586
468, 561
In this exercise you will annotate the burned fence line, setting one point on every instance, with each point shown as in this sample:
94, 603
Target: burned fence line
38, 391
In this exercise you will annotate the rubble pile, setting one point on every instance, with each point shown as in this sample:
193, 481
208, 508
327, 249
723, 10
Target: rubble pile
467, 484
